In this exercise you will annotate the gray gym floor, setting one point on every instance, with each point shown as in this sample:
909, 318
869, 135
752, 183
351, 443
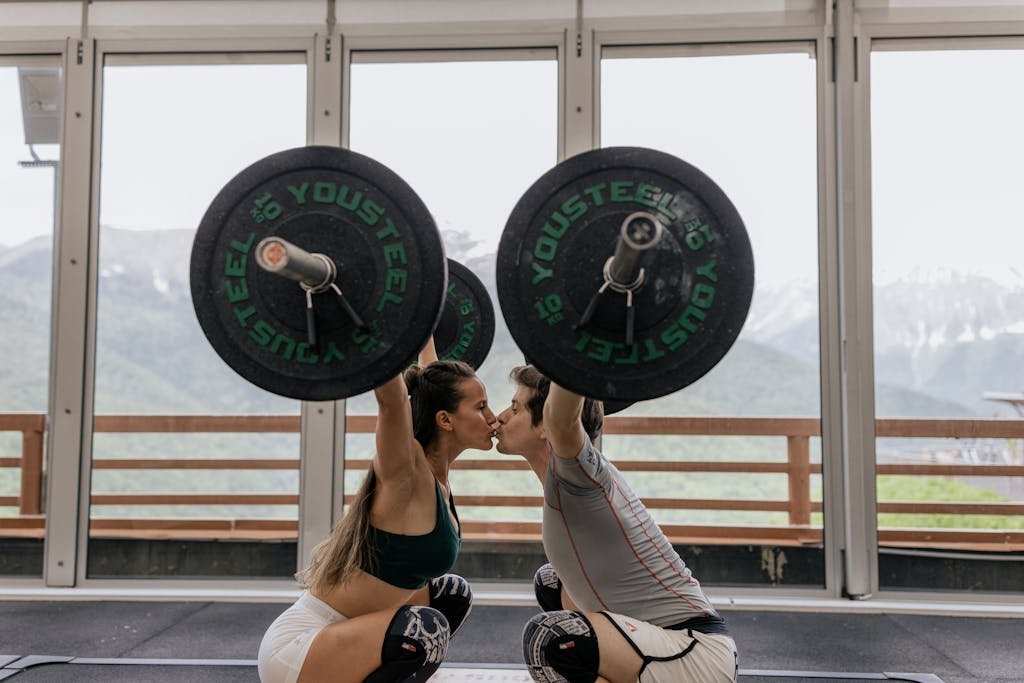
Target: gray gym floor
950, 649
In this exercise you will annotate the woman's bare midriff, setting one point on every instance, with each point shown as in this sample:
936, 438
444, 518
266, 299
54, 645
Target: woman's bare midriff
364, 594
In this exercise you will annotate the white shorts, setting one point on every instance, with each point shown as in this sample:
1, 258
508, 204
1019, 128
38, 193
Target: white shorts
286, 642
711, 658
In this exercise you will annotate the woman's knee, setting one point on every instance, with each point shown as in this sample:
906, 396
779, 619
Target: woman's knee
415, 643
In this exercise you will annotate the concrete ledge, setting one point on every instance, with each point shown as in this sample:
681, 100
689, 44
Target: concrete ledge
521, 595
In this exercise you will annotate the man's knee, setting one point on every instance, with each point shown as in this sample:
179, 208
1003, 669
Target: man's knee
451, 595
414, 645
559, 647
548, 589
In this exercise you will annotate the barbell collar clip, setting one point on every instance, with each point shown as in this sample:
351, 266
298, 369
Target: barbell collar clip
351, 312
310, 319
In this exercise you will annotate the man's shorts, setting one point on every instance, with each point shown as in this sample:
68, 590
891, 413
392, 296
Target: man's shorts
287, 641
709, 656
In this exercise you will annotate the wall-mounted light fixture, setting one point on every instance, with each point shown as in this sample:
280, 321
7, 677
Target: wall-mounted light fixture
40, 111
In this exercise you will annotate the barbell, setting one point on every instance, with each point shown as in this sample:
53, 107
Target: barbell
623, 273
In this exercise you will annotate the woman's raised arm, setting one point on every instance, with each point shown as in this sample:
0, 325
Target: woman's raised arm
397, 454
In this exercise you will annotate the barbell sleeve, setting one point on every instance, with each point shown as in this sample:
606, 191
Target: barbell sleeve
640, 231
283, 258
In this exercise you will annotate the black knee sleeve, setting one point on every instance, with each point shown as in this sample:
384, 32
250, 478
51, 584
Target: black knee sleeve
548, 589
451, 596
414, 646
561, 646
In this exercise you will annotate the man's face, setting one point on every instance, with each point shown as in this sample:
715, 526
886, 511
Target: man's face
516, 436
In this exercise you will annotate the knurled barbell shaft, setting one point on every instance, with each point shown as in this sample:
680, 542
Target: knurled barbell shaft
640, 231
283, 258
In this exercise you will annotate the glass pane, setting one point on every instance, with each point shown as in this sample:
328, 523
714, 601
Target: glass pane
172, 137
748, 122
946, 144
30, 99
469, 137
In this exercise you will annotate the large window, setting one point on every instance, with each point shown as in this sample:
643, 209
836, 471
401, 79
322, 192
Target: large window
30, 95
172, 136
749, 122
469, 137
946, 144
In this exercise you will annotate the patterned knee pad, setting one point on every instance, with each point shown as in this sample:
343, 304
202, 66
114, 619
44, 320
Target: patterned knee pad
451, 595
548, 589
561, 647
414, 646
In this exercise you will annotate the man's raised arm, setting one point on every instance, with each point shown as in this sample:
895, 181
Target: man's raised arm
562, 421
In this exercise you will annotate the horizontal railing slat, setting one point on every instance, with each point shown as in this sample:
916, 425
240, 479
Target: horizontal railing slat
184, 524
779, 426
956, 508
648, 425
623, 465
718, 426
194, 464
194, 499
22, 422
652, 503
34, 522
950, 429
521, 465
160, 424
953, 470
893, 535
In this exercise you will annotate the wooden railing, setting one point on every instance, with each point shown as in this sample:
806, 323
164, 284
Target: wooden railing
32, 427
797, 468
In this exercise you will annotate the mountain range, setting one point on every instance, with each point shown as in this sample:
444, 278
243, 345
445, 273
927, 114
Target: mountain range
941, 341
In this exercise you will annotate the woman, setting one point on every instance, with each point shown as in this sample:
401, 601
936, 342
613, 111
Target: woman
372, 610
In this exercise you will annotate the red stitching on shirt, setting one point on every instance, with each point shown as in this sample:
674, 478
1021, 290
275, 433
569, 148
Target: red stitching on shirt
675, 567
604, 494
558, 490
551, 471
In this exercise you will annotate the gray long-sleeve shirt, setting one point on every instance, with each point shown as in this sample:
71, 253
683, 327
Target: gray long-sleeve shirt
606, 548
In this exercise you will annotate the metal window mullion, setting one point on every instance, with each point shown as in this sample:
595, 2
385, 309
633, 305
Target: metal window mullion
318, 441
578, 91
316, 476
69, 417
860, 538
830, 360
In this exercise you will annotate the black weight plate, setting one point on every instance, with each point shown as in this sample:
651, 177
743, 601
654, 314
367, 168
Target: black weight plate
466, 329
612, 407
690, 308
389, 257
609, 407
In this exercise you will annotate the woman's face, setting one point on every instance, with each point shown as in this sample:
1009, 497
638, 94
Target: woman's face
473, 421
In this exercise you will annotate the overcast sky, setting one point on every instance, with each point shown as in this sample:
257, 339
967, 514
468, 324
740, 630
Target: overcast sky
470, 137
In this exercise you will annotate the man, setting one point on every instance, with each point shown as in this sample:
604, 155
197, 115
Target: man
619, 603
